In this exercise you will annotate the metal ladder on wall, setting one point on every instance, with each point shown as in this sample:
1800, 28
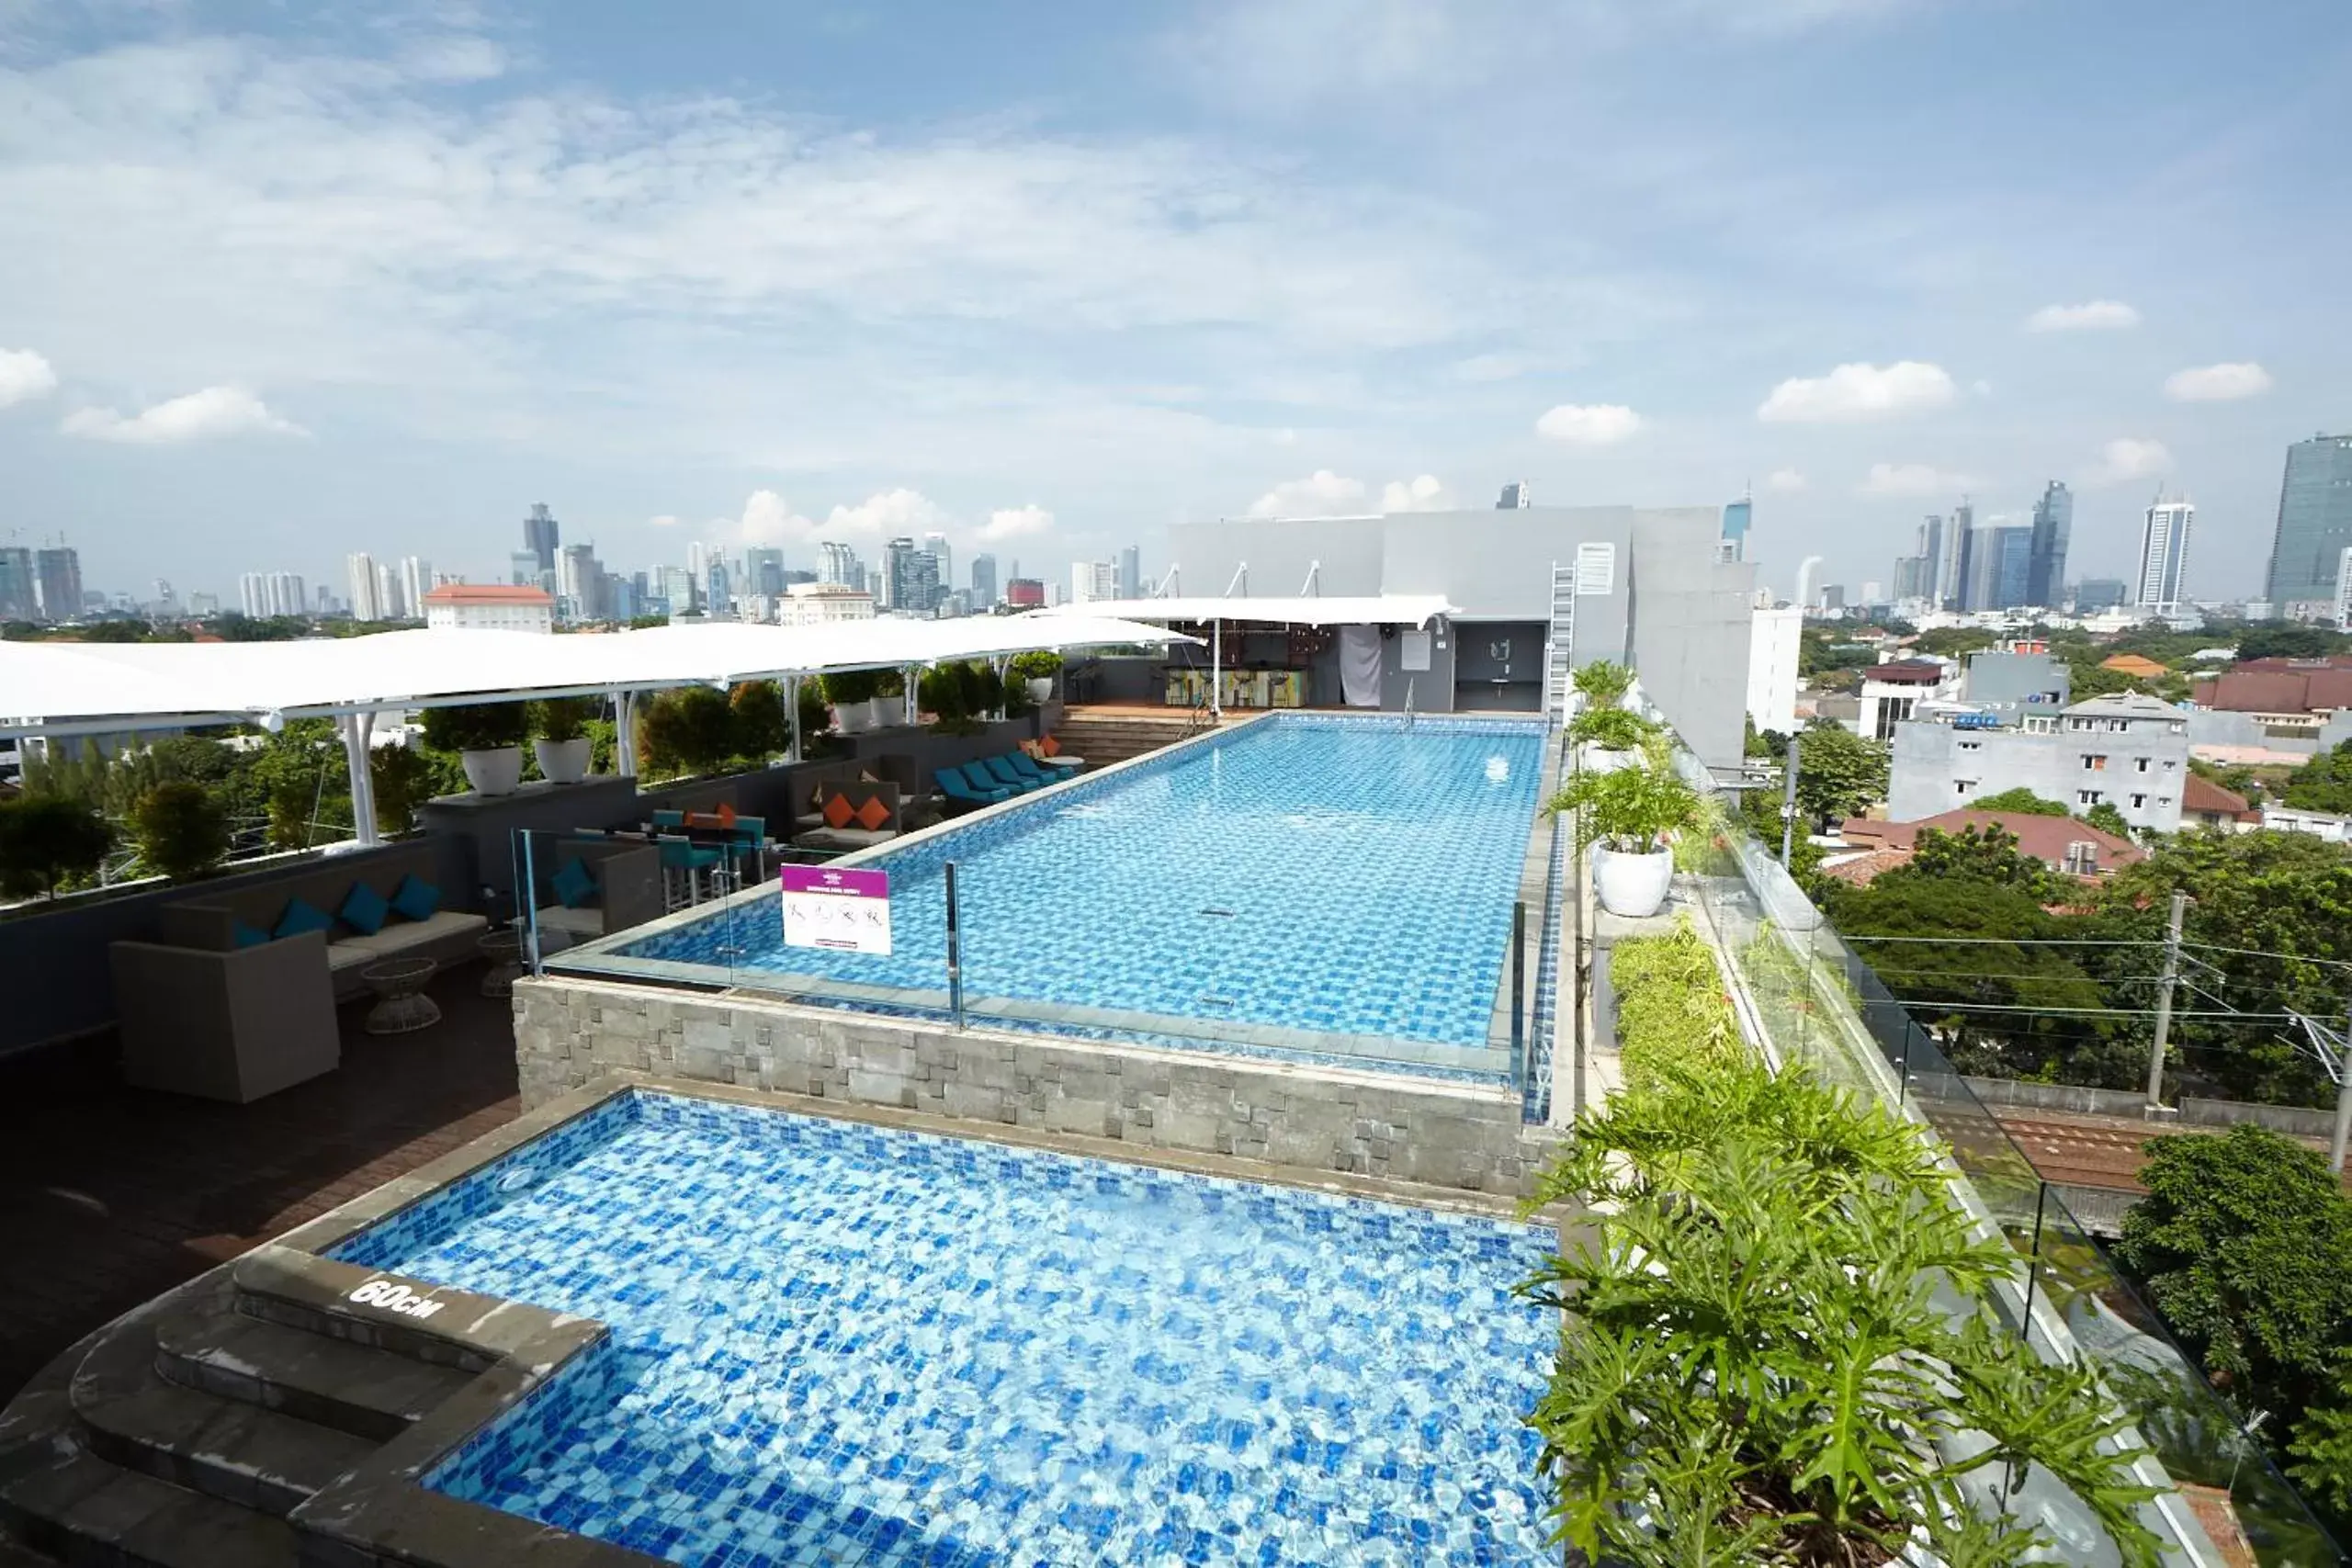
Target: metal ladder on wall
1559, 648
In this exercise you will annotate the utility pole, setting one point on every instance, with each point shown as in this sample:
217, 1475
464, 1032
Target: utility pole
1789, 804
2342, 1102
2163, 1002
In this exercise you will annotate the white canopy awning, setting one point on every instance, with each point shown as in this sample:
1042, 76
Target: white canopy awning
1386, 609
65, 688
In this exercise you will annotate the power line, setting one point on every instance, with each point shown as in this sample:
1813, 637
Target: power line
2022, 942
1931, 1003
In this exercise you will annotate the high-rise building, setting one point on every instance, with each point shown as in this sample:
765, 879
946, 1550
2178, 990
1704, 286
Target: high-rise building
578, 584
541, 536
523, 569
1516, 494
359, 571
1736, 517
2093, 595
416, 581
936, 546
19, 588
263, 593
57, 573
1953, 574
389, 604
898, 557
839, 564
2053, 524
677, 589
1092, 580
2344, 589
1023, 592
718, 588
325, 601
2314, 522
2011, 570
201, 605
764, 570
1131, 572
1808, 577
698, 562
1931, 559
983, 580
165, 601
2164, 554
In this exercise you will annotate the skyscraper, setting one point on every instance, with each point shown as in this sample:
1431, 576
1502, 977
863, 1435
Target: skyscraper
1092, 580
57, 573
359, 571
2164, 554
1736, 516
983, 580
2054, 523
1931, 557
892, 590
1952, 575
416, 581
1808, 580
2011, 570
523, 569
936, 546
389, 604
1515, 495
764, 570
2314, 524
839, 563
1131, 572
20, 590
263, 593
541, 536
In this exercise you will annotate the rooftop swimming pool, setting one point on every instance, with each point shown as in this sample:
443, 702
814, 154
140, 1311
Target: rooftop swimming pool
1326, 884
837, 1344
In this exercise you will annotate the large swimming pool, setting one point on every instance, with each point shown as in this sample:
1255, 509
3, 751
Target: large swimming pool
839, 1344
1304, 881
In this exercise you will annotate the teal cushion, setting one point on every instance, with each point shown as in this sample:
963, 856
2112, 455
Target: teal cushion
364, 909
415, 899
243, 935
300, 917
574, 884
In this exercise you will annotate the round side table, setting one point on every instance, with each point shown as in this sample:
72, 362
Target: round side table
402, 1007
503, 953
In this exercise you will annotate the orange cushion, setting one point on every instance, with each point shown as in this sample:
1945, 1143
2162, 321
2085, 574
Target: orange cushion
1051, 746
838, 811
726, 814
873, 815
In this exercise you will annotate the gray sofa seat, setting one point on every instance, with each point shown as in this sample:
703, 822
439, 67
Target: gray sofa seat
431, 937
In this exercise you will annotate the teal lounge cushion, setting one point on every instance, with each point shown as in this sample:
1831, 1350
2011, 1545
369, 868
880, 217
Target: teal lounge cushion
302, 915
574, 884
364, 909
243, 935
415, 899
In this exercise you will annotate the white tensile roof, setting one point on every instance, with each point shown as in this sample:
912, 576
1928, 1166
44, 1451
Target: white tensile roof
1386, 609
61, 686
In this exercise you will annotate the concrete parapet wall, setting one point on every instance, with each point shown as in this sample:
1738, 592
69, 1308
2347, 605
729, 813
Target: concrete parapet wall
568, 1030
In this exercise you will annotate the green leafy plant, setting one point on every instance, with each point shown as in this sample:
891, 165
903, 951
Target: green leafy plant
46, 840
2020, 800
815, 717
1039, 664
1612, 730
849, 686
760, 728
477, 726
1631, 809
1839, 774
687, 730
1602, 683
1755, 1365
562, 718
403, 779
182, 830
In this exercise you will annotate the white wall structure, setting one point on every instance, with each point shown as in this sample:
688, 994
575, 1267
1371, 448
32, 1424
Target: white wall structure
2131, 752
1774, 637
487, 606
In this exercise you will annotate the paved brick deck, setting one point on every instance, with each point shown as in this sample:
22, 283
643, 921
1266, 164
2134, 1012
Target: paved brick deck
109, 1196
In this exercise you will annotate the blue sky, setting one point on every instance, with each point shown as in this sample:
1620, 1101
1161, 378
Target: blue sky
280, 281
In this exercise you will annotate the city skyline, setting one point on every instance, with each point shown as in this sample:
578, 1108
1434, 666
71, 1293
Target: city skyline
1743, 294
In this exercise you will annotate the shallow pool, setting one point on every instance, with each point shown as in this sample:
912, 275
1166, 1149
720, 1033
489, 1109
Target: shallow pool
839, 1344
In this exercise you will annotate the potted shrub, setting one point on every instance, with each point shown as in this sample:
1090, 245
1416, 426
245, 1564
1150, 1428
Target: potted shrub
1610, 737
1603, 684
488, 739
1037, 670
560, 742
45, 839
851, 691
890, 698
1627, 817
181, 828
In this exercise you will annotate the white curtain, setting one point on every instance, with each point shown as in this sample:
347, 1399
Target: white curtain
1360, 666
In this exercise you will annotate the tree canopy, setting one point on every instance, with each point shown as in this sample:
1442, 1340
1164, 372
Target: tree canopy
1839, 774
2020, 799
2324, 783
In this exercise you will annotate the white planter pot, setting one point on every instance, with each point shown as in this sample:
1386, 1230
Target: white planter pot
853, 718
1041, 688
562, 761
1598, 760
884, 712
1630, 885
496, 772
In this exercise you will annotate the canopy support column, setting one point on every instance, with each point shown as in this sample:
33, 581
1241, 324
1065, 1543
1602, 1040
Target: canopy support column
355, 729
792, 707
1216, 669
1003, 663
915, 694
625, 733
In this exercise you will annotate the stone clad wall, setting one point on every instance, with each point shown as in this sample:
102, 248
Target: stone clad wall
568, 1030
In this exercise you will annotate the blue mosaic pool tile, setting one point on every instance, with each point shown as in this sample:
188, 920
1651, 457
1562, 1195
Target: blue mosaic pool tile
1333, 874
833, 1343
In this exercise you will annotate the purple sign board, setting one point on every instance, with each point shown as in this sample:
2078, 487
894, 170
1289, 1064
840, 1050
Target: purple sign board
844, 909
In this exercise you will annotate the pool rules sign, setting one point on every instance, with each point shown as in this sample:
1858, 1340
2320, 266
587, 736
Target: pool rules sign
843, 910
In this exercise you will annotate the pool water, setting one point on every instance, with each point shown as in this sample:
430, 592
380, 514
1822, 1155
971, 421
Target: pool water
1304, 873
836, 1344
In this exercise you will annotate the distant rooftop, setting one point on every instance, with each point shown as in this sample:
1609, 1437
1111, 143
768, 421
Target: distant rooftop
2126, 704
487, 593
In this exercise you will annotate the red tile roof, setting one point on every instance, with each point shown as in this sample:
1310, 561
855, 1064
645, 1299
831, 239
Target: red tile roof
2044, 837
487, 593
2201, 796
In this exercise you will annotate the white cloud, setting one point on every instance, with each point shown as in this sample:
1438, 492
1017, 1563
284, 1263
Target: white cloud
1016, 523
767, 519
891, 514
24, 376
1784, 481
2097, 315
1320, 494
2217, 383
1858, 392
1912, 479
1589, 424
1422, 494
199, 416
1490, 367
2127, 458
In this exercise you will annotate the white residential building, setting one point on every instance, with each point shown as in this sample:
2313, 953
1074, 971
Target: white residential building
416, 581
2131, 752
365, 603
822, 603
1774, 639
489, 606
272, 593
391, 602
1092, 580
2164, 556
